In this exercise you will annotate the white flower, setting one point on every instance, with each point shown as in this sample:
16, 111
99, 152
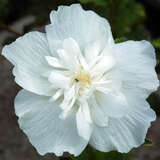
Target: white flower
80, 87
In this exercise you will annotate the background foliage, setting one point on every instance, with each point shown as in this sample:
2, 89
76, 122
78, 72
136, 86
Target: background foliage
125, 16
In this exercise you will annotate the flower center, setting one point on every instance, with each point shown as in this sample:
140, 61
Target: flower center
83, 77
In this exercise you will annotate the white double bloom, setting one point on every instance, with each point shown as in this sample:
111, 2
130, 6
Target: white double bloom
80, 87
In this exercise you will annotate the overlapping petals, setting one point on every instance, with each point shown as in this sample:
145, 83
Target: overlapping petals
80, 87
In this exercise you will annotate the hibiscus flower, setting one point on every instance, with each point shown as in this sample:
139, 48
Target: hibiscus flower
81, 88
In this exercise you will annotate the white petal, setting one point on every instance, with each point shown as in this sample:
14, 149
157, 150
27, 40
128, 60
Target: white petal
57, 94
84, 125
105, 64
71, 46
125, 133
86, 111
66, 59
27, 54
39, 119
92, 51
73, 50
84, 27
58, 80
114, 105
98, 115
68, 109
136, 63
54, 62
104, 90
69, 96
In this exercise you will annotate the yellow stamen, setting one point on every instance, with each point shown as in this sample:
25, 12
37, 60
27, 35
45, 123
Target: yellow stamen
83, 78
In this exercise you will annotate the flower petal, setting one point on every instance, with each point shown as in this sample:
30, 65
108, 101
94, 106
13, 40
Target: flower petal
98, 115
66, 60
104, 65
84, 124
68, 102
136, 62
113, 105
92, 51
54, 62
27, 54
58, 80
71, 47
39, 119
73, 50
125, 133
72, 21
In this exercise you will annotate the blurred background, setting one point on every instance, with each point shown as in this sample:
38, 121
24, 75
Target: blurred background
129, 19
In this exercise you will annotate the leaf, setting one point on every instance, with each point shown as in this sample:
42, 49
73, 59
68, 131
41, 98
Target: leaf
119, 40
148, 142
73, 158
91, 154
84, 156
156, 43
114, 155
96, 2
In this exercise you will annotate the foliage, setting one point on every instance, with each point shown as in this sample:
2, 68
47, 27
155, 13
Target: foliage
3, 9
96, 2
121, 39
156, 43
42, 10
124, 15
91, 154
148, 142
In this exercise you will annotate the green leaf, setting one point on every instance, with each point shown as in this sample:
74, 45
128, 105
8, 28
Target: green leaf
148, 142
91, 154
84, 156
114, 155
73, 158
96, 2
156, 43
119, 40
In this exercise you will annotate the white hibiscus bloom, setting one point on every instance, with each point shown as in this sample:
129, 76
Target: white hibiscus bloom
80, 87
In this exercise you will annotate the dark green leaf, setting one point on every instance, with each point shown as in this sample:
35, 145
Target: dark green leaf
119, 40
156, 43
96, 2
148, 143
